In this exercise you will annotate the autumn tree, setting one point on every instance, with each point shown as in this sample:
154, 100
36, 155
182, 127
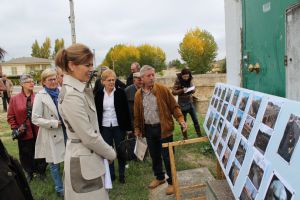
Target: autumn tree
198, 49
151, 55
120, 57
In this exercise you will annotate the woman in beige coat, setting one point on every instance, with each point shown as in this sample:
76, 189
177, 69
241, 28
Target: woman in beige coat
86, 149
50, 140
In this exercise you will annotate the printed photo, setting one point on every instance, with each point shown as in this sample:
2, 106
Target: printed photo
234, 171
225, 132
220, 148
290, 138
255, 106
220, 124
228, 95
216, 90
231, 140
216, 119
209, 120
219, 91
241, 151
216, 138
262, 138
249, 192
226, 157
216, 103
230, 113
244, 101
220, 105
238, 119
211, 132
256, 172
224, 109
248, 125
277, 190
271, 113
212, 101
235, 97
223, 94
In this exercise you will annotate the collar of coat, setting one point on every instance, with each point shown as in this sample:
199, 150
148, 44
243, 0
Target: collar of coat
73, 82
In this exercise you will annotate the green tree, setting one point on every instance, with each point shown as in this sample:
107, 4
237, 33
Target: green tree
35, 49
58, 44
151, 55
198, 49
45, 49
176, 63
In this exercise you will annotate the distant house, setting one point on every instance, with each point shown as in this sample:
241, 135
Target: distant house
18, 66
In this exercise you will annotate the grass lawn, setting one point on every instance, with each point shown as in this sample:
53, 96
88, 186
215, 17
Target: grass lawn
138, 175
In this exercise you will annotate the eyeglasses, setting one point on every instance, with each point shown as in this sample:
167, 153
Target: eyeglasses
89, 65
51, 80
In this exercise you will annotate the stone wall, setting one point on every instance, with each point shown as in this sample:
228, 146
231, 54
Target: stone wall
204, 83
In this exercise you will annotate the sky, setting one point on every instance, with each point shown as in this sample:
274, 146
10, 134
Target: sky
101, 24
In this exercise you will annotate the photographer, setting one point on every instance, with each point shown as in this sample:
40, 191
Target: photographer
19, 118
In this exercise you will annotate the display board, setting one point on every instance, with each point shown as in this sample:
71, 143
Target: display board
255, 137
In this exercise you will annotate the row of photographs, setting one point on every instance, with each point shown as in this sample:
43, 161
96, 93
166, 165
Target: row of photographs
224, 129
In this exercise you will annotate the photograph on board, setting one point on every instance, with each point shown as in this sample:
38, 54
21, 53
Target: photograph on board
212, 101
220, 124
219, 91
224, 109
216, 138
237, 119
216, 103
271, 113
216, 90
228, 95
209, 120
230, 113
277, 190
220, 105
225, 131
241, 151
226, 157
257, 169
262, 138
244, 101
248, 125
234, 171
255, 104
220, 148
216, 119
223, 93
211, 132
232, 139
235, 97
290, 138
249, 192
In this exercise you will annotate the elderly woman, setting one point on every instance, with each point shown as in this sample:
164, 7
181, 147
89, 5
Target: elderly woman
86, 150
50, 140
113, 116
19, 118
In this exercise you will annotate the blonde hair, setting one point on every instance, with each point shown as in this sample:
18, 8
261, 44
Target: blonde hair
77, 53
107, 73
47, 73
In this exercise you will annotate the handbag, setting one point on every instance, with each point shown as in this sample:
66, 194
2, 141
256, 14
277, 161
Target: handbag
125, 150
185, 106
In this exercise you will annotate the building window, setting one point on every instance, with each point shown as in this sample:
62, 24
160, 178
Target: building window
13, 70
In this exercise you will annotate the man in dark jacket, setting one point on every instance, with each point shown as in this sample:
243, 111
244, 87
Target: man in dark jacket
135, 67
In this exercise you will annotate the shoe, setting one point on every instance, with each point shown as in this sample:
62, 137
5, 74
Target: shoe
122, 180
156, 183
170, 190
60, 194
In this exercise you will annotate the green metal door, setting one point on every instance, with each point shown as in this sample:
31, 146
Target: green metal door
263, 45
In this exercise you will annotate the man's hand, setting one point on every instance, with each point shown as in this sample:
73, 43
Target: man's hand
138, 134
183, 126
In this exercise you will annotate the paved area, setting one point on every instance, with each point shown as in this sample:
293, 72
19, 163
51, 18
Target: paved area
186, 178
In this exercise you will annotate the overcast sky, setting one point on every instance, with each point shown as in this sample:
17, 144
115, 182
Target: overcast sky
101, 24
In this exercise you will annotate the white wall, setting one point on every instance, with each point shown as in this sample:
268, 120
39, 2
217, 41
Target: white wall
233, 26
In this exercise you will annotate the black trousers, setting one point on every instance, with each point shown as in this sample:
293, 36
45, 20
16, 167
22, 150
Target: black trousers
26, 154
157, 153
5, 101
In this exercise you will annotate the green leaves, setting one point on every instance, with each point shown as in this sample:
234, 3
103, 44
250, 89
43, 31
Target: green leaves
44, 51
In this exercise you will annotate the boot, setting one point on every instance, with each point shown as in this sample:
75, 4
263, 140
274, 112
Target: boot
198, 131
184, 134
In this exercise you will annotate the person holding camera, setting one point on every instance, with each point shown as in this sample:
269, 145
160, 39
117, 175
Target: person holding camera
19, 118
84, 166
50, 140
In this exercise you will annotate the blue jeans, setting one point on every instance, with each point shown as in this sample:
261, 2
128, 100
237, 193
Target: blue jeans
114, 135
192, 112
55, 172
157, 153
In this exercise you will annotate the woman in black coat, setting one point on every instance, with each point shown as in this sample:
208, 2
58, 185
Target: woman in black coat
113, 116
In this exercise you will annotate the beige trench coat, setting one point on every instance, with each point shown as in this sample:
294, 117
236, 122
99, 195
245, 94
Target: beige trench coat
8, 86
50, 140
86, 149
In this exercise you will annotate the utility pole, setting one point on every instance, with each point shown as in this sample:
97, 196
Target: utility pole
72, 21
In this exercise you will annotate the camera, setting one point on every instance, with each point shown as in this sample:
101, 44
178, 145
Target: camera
17, 132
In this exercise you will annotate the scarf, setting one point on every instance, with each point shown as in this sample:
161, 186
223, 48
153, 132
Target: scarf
53, 94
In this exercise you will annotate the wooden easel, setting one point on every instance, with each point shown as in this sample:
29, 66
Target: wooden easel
173, 166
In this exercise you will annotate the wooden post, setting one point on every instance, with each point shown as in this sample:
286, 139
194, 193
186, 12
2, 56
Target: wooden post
174, 174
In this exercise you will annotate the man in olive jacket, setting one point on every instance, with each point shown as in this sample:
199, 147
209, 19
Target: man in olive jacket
154, 107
